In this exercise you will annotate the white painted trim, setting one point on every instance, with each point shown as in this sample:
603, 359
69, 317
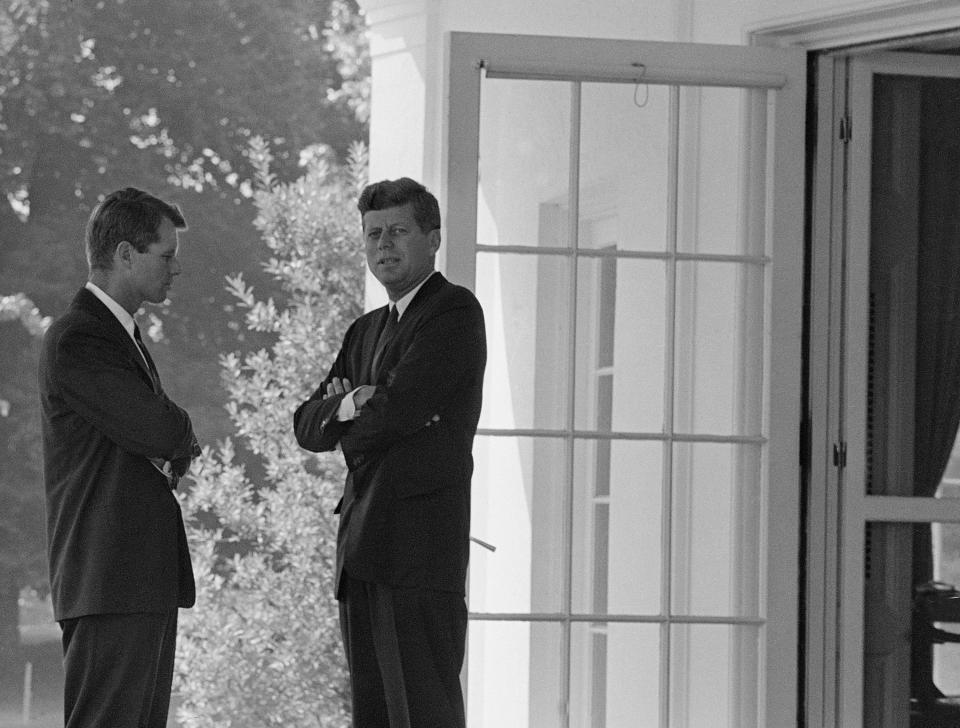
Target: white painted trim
856, 320
856, 24
914, 64
461, 169
637, 72
785, 195
905, 509
824, 393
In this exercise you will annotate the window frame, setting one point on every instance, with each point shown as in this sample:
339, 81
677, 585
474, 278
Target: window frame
782, 71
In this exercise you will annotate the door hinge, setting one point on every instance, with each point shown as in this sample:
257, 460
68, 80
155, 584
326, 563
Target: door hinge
839, 454
845, 130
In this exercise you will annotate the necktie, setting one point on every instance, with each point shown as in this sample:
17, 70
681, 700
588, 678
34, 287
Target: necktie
386, 336
154, 376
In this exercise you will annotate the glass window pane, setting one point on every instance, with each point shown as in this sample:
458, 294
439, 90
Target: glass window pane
714, 672
719, 348
610, 529
624, 166
717, 509
614, 675
714, 180
523, 197
911, 659
514, 674
611, 559
518, 505
913, 369
949, 486
621, 336
525, 301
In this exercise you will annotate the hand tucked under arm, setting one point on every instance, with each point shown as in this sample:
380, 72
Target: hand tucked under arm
362, 395
359, 397
338, 386
165, 467
104, 386
317, 422
351, 404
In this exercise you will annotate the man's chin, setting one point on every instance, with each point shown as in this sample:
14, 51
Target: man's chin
385, 277
160, 298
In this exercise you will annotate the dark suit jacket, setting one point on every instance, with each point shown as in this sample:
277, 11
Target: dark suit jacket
405, 512
115, 534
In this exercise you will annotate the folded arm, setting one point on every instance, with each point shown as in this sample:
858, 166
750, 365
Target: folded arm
447, 351
102, 384
315, 423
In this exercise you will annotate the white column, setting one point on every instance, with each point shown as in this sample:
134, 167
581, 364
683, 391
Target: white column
405, 84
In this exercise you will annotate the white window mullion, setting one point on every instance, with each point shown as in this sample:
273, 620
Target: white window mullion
573, 215
669, 403
750, 387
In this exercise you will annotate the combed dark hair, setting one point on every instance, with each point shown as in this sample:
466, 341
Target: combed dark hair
128, 214
396, 192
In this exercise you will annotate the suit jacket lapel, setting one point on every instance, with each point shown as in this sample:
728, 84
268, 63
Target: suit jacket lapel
389, 357
370, 343
151, 367
92, 305
434, 283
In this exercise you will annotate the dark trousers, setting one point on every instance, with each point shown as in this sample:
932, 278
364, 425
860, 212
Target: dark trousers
405, 648
118, 669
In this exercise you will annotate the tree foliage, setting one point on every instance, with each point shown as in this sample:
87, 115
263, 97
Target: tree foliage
91, 78
18, 531
164, 95
18, 307
262, 646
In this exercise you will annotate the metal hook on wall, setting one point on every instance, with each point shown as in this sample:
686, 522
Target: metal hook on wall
636, 89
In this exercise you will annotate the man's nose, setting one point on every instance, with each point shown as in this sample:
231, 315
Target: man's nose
386, 240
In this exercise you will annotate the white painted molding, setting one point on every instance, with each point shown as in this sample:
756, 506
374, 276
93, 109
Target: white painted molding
395, 26
857, 24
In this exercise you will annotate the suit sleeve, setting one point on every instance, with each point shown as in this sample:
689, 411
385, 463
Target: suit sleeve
446, 354
100, 382
315, 422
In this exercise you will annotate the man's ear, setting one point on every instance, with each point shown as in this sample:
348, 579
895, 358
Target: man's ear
434, 237
123, 254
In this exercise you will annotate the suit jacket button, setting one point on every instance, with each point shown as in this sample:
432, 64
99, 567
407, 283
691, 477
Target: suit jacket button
358, 461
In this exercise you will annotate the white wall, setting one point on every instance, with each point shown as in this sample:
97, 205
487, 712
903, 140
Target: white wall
408, 37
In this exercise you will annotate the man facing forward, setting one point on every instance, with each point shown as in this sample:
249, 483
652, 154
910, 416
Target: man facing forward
114, 446
403, 401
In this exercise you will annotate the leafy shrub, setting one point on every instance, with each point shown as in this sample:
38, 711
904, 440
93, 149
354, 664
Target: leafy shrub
262, 645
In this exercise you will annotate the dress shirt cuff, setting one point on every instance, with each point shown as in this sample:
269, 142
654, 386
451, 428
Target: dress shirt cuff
347, 407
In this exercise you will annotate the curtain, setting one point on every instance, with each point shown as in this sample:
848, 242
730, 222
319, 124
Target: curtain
937, 402
937, 395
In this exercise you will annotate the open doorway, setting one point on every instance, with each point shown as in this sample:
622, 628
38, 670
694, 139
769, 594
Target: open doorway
912, 389
890, 258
